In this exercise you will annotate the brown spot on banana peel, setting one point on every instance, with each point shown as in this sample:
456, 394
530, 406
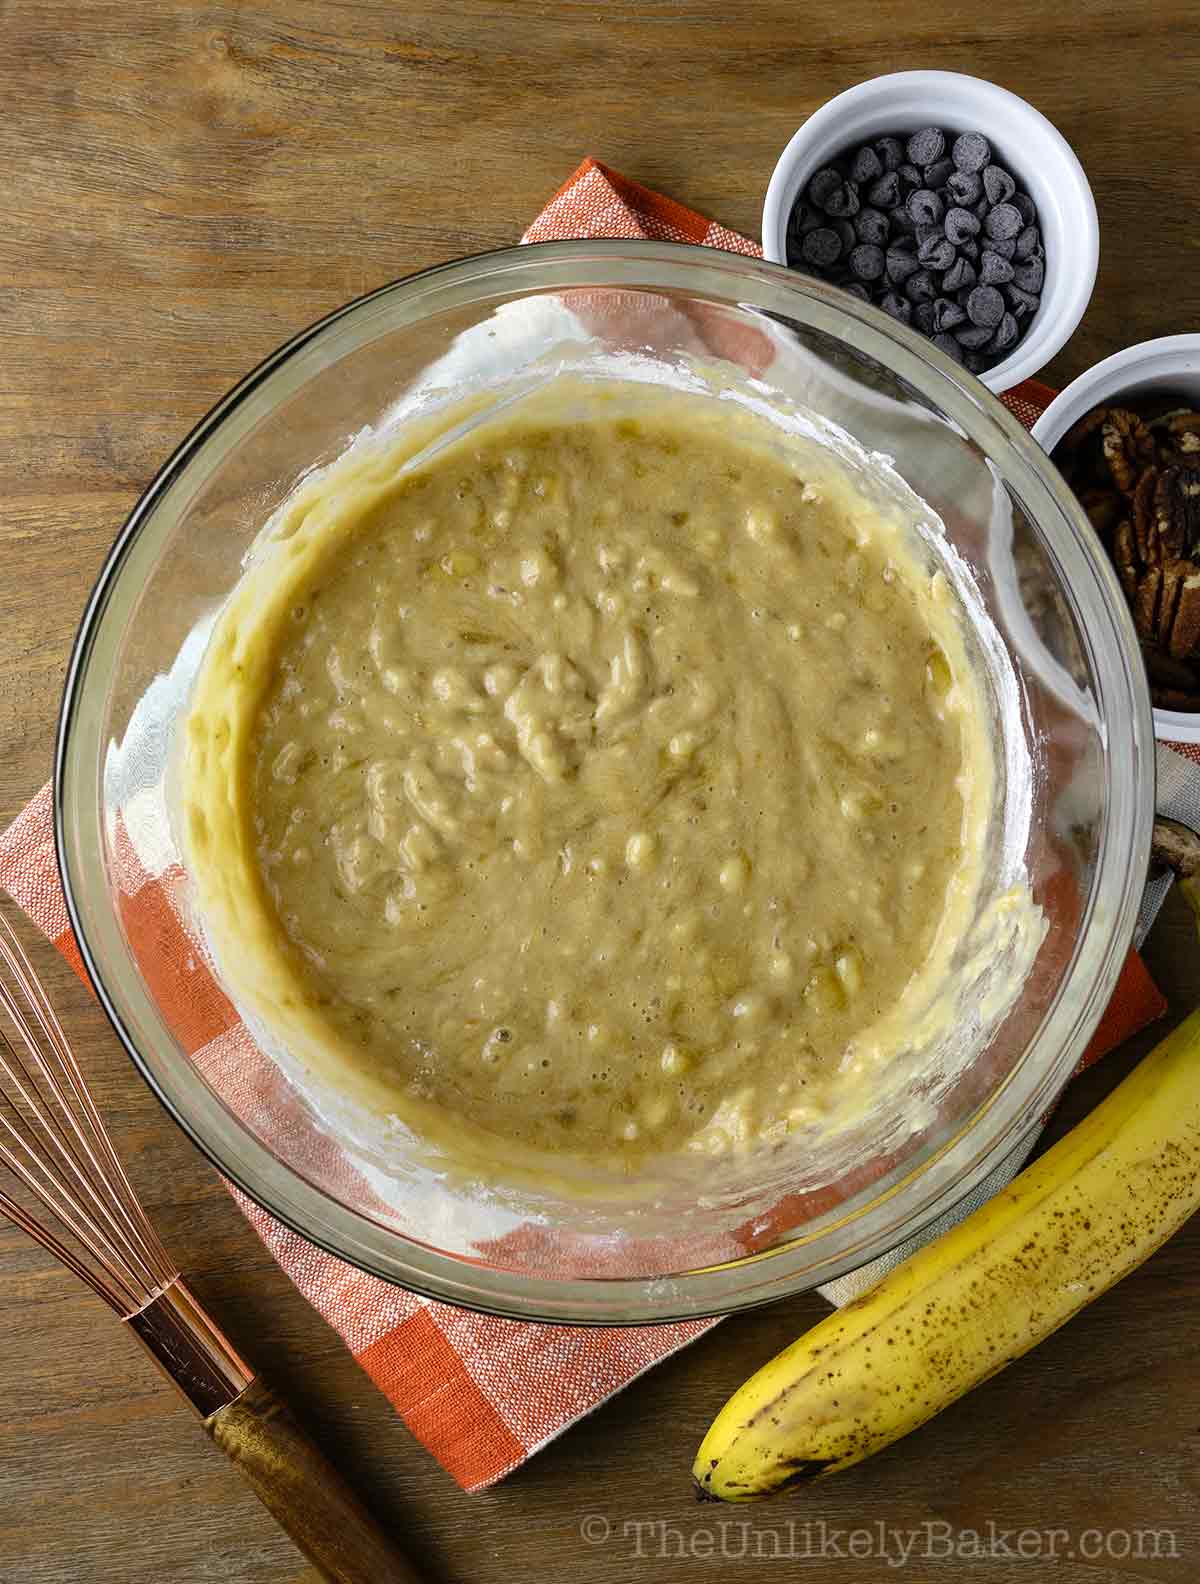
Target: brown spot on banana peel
802, 1471
805, 1471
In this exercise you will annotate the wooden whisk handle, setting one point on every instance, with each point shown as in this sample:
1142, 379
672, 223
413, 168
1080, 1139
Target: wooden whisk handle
296, 1483
291, 1477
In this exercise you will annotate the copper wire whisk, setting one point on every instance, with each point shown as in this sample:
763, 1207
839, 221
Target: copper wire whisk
53, 1142
68, 1190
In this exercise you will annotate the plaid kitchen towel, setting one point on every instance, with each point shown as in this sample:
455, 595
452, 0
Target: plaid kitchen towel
481, 1393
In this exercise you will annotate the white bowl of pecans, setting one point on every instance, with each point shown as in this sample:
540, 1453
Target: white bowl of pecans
1126, 437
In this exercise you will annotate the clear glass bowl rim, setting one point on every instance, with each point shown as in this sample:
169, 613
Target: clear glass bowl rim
995, 1130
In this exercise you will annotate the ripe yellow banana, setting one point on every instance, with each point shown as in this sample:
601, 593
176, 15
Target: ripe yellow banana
1067, 1228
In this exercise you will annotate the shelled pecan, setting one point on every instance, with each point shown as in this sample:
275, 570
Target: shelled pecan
1136, 470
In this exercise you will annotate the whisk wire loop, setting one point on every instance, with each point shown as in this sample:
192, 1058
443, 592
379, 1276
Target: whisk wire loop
56, 1146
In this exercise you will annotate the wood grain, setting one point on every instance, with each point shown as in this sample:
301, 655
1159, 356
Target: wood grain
186, 185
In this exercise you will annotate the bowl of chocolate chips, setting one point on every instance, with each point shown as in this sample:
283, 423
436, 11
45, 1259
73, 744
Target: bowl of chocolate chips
950, 204
1126, 437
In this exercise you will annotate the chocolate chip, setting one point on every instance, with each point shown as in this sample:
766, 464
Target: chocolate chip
1006, 333
1019, 300
971, 151
803, 219
1005, 222
899, 307
867, 261
960, 224
890, 151
821, 248
925, 207
938, 174
1024, 206
856, 289
965, 187
822, 184
969, 250
994, 270
960, 274
998, 184
936, 253
1029, 240
1030, 277
972, 335
885, 193
865, 165
926, 232
985, 306
900, 265
871, 226
919, 287
843, 203
1002, 247
922, 317
947, 344
902, 224
847, 233
927, 145
910, 177
947, 314
975, 361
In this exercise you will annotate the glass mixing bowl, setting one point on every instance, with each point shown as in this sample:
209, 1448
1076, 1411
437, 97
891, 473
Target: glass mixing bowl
727, 1235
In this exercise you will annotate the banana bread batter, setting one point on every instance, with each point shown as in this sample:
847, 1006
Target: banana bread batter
599, 785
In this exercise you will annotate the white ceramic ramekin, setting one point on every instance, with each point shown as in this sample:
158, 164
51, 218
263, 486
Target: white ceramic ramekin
1170, 364
1023, 140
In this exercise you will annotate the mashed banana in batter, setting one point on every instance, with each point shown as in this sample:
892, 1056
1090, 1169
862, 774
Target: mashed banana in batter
591, 785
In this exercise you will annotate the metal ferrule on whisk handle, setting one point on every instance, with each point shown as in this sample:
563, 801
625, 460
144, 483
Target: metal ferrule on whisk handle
190, 1348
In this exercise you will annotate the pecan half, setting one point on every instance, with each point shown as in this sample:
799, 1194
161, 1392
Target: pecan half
1146, 601
1082, 428
1158, 414
1183, 636
1184, 431
1128, 447
1104, 509
1144, 516
1127, 561
1173, 578
1177, 509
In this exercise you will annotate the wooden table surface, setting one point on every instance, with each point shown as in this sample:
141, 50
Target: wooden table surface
185, 186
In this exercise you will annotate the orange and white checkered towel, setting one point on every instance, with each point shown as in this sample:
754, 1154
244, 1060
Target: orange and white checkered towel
481, 1393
